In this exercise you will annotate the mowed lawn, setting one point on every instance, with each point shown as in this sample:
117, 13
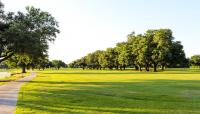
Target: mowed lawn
111, 92
16, 74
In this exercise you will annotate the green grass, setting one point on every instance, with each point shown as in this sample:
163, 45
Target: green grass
15, 75
111, 92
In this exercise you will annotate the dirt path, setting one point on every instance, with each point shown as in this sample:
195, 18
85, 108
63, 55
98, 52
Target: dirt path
9, 94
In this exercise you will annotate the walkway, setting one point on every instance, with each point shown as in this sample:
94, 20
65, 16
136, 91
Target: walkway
9, 94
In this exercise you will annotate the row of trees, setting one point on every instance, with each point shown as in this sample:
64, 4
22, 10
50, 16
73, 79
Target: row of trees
153, 49
41, 64
25, 37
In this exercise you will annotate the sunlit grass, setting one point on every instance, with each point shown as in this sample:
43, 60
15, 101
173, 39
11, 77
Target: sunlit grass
15, 75
110, 92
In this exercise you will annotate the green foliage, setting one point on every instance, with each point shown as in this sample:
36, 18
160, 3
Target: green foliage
27, 35
103, 60
177, 57
123, 54
155, 48
195, 60
92, 60
111, 56
5, 43
40, 62
58, 64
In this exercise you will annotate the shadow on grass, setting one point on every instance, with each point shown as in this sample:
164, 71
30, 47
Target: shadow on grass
124, 72
5, 80
147, 97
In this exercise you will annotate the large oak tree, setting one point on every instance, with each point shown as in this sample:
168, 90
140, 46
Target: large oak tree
28, 35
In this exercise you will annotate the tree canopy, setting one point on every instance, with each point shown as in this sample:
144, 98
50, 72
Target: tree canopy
195, 60
58, 64
26, 35
153, 49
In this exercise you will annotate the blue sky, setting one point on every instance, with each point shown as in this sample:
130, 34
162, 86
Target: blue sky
88, 25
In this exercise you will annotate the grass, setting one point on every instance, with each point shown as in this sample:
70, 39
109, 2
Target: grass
15, 75
111, 92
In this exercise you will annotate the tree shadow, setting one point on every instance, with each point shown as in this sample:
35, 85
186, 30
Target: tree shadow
97, 72
5, 80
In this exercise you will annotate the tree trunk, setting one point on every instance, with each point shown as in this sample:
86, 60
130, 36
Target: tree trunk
147, 68
155, 67
124, 67
120, 68
163, 67
136, 67
117, 67
23, 68
140, 68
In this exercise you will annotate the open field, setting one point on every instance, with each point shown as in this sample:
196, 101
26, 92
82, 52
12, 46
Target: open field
110, 92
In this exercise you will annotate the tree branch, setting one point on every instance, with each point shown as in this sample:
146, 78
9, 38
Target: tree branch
7, 57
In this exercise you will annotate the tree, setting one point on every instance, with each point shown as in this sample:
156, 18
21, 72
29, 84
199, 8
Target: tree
195, 60
40, 62
92, 60
123, 54
111, 56
136, 44
5, 43
162, 41
153, 49
177, 57
82, 63
29, 34
103, 60
97, 54
58, 64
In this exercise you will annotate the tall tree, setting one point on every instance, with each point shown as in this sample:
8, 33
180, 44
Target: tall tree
123, 54
135, 42
30, 33
90, 60
177, 57
96, 59
103, 60
162, 41
111, 57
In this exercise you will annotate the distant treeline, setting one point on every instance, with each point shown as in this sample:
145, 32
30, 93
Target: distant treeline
153, 49
41, 64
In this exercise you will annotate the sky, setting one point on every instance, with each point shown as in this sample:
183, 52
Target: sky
90, 25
